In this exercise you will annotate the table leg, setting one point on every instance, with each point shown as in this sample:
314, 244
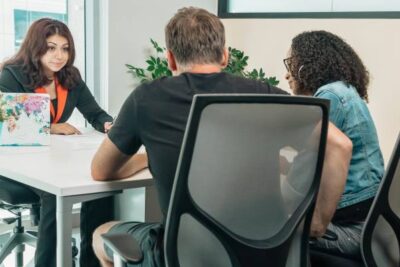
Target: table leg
64, 232
64, 223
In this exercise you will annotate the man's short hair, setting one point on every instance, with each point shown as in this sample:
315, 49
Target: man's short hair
195, 36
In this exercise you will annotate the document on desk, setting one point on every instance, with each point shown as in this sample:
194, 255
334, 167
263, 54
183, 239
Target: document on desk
86, 140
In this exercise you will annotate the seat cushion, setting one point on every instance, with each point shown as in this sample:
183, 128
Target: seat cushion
324, 259
15, 193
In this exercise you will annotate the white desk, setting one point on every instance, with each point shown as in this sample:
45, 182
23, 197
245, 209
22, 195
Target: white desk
63, 169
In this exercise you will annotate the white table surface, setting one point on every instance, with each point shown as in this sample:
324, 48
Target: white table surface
63, 169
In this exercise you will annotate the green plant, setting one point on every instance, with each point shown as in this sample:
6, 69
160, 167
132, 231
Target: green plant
157, 67
237, 64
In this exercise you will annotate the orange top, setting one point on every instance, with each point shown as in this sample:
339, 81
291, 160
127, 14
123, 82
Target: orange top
62, 94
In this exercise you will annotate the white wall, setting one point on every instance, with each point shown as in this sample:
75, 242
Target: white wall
377, 41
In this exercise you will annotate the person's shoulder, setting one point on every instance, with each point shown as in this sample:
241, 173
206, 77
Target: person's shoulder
258, 86
157, 86
13, 67
338, 89
15, 70
339, 92
78, 83
141, 91
166, 80
12, 78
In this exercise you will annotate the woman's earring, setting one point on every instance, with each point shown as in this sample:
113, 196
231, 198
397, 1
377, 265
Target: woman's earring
298, 72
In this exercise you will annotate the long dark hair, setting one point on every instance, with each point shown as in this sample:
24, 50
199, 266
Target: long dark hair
320, 57
34, 47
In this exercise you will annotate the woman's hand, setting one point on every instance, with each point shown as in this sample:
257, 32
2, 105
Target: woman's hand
107, 126
63, 128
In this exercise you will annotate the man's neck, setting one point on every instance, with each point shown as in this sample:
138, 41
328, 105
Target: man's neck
201, 69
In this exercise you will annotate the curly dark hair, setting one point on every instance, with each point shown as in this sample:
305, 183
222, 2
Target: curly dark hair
34, 47
320, 57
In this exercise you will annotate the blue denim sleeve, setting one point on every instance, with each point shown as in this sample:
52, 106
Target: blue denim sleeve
337, 107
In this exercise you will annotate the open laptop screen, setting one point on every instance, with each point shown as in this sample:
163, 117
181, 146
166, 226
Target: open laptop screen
24, 119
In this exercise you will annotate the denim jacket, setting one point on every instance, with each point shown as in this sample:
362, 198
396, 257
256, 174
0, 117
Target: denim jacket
351, 115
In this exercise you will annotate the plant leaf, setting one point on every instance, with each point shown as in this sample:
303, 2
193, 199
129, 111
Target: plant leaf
157, 66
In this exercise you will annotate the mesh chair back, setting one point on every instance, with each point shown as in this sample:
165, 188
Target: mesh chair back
381, 233
248, 173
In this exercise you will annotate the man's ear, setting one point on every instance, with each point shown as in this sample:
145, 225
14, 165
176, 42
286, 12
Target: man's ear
171, 61
225, 58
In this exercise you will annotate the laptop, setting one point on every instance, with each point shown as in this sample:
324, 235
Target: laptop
24, 119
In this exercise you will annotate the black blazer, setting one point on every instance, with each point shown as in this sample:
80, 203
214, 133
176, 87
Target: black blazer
13, 80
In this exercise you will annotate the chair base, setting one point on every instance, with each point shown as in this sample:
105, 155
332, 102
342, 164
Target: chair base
16, 242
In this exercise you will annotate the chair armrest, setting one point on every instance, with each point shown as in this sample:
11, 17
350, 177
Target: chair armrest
125, 246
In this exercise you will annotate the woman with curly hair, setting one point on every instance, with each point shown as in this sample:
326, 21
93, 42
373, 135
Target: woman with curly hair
321, 64
45, 64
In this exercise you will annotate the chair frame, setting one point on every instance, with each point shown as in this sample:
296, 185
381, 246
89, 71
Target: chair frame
181, 201
381, 207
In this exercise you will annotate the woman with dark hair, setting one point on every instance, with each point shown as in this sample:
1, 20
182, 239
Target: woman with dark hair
44, 64
321, 64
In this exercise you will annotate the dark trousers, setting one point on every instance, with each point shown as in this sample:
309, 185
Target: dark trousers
93, 214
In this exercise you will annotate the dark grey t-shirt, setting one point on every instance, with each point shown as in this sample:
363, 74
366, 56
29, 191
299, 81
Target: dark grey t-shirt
155, 115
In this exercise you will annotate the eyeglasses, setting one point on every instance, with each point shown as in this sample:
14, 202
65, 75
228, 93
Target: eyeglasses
287, 62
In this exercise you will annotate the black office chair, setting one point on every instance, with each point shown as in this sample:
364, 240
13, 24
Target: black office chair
232, 204
15, 198
381, 233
